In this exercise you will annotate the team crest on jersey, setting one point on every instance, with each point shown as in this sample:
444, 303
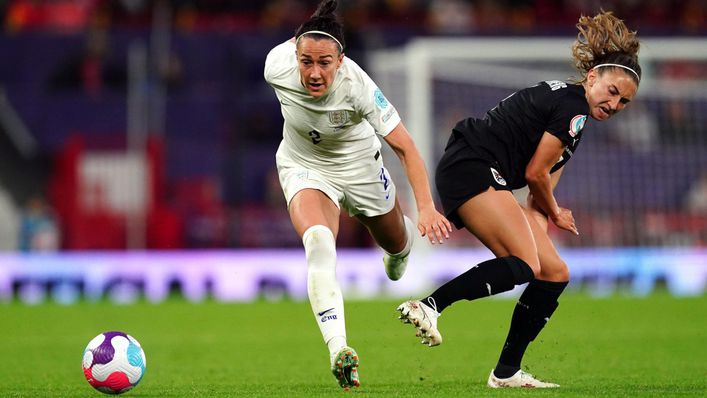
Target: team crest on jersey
338, 118
498, 177
577, 124
380, 99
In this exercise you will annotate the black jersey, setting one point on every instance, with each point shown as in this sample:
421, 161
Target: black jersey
510, 132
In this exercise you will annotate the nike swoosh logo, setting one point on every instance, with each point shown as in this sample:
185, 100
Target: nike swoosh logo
325, 311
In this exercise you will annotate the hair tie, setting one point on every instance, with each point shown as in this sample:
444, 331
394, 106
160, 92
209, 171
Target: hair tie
319, 32
620, 66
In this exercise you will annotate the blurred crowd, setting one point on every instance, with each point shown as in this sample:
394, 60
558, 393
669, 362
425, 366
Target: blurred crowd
431, 16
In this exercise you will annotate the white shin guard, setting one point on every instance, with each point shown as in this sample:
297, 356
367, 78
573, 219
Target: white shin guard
324, 292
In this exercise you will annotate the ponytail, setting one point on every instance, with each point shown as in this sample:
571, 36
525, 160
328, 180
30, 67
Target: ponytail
323, 24
604, 41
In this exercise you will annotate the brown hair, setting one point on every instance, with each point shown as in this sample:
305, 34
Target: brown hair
605, 39
324, 20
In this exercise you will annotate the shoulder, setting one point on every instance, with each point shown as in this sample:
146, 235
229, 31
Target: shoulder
564, 95
353, 73
358, 84
280, 60
555, 96
567, 109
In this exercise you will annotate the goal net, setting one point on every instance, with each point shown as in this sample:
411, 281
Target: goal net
639, 179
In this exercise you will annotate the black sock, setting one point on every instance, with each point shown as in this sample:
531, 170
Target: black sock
485, 279
533, 310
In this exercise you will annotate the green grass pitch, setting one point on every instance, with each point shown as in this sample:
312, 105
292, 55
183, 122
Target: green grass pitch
612, 347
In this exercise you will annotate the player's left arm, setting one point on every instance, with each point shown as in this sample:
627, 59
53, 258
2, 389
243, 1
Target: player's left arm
430, 222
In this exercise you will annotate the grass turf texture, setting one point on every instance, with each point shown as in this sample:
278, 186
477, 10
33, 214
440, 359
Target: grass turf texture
614, 347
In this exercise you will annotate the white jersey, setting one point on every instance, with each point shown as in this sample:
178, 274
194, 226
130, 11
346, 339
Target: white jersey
336, 129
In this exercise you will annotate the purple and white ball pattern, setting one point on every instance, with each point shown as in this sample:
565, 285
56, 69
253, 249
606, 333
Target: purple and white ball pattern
114, 362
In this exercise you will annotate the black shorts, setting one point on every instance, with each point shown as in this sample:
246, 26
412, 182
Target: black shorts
463, 173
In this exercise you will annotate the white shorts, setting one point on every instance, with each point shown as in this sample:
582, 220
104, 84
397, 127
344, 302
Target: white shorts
367, 189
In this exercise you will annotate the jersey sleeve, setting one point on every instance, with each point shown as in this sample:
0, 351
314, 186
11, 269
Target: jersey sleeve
279, 61
370, 101
567, 117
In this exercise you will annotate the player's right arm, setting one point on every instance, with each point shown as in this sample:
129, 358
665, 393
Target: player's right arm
532, 209
539, 179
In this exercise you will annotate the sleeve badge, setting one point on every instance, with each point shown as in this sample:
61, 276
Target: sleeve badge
577, 124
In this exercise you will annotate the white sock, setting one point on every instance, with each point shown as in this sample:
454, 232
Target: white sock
324, 292
336, 344
410, 232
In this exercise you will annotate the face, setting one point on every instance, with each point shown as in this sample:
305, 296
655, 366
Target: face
608, 91
318, 62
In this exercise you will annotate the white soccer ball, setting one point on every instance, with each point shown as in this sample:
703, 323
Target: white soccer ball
113, 362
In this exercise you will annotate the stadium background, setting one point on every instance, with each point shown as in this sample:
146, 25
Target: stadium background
138, 139
137, 143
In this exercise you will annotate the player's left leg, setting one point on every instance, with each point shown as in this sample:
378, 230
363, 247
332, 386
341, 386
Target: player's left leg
394, 233
533, 310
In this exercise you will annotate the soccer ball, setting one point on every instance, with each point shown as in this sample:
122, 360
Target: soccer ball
113, 362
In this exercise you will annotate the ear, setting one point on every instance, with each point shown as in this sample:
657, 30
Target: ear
592, 77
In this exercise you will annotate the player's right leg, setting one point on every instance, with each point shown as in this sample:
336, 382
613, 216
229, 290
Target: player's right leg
394, 233
497, 220
424, 318
316, 219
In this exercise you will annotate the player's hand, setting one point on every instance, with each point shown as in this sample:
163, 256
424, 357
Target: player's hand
433, 225
565, 220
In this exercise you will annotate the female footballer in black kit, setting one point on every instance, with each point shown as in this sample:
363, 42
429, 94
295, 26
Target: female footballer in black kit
526, 139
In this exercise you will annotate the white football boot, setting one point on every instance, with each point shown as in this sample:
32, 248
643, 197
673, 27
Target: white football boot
519, 380
425, 320
395, 266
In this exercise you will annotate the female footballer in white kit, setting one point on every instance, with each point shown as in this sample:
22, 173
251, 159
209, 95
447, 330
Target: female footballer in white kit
330, 159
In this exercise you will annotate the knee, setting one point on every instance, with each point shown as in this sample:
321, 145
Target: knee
522, 271
536, 270
533, 263
319, 246
554, 270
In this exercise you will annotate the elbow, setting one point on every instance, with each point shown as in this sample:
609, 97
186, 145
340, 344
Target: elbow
534, 178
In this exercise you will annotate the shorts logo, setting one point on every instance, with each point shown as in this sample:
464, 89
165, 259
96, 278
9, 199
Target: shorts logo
386, 183
498, 177
577, 124
380, 99
338, 118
